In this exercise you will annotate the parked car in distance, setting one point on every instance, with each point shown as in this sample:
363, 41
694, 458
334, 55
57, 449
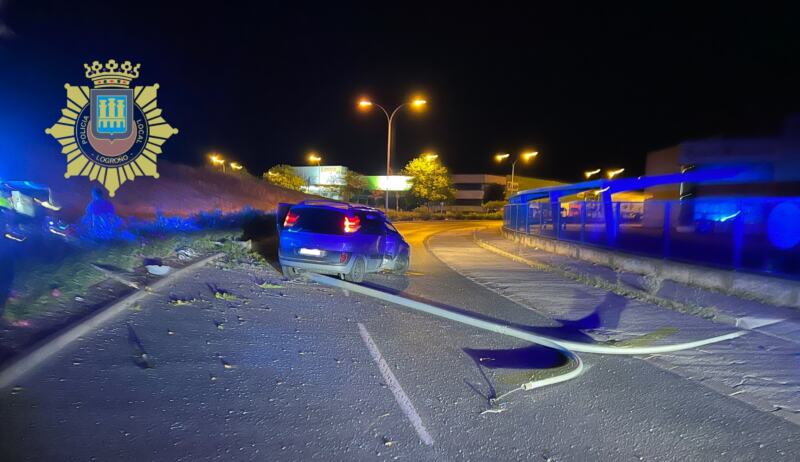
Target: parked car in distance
337, 238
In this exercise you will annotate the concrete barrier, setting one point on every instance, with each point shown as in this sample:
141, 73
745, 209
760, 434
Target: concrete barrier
765, 289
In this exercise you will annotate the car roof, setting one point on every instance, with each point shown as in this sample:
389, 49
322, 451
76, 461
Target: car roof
335, 205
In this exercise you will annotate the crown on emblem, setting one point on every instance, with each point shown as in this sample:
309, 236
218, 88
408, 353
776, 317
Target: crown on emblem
111, 75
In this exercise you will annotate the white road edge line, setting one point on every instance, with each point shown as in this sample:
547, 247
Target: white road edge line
394, 385
50, 346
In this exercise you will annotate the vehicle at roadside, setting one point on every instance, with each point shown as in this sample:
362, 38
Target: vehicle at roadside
27, 209
338, 238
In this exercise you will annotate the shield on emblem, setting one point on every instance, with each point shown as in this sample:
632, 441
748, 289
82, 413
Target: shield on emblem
112, 113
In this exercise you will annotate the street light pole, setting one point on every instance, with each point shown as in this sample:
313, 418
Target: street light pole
217, 160
389, 119
513, 165
525, 156
314, 157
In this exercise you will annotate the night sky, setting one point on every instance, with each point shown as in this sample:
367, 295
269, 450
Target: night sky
265, 82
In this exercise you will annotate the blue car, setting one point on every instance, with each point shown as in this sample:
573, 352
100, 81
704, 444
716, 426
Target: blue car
337, 238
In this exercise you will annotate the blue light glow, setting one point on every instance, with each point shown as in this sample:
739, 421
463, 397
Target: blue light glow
731, 216
783, 225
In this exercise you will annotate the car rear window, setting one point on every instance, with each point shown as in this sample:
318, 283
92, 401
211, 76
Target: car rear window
319, 220
327, 221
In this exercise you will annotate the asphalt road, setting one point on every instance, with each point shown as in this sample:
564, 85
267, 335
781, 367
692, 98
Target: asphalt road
247, 370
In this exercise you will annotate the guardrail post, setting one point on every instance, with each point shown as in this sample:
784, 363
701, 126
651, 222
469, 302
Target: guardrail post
667, 227
608, 218
527, 218
557, 219
738, 238
514, 217
541, 219
583, 221
555, 214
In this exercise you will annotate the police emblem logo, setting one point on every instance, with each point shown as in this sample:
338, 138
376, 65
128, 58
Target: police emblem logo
111, 133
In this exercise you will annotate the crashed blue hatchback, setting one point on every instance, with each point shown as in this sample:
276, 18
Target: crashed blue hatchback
338, 238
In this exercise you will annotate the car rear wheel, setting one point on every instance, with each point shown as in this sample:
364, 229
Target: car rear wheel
358, 270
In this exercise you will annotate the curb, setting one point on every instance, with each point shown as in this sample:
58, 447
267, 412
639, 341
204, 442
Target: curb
748, 321
40, 352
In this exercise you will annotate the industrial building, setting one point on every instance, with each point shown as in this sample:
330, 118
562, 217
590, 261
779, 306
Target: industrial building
766, 166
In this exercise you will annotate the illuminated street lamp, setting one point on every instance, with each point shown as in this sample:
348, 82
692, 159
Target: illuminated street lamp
314, 157
525, 156
429, 156
365, 104
236, 166
590, 173
217, 160
612, 173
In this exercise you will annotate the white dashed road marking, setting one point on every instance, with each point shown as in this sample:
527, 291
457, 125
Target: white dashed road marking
394, 385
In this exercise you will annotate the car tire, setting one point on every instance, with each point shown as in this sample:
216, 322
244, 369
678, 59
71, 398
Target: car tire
401, 264
358, 270
289, 272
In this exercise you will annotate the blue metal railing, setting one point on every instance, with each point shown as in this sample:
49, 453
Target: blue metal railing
759, 235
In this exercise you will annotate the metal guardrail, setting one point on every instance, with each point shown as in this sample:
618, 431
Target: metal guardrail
760, 235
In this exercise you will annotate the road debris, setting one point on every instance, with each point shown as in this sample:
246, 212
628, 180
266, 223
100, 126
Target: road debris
227, 296
158, 270
497, 410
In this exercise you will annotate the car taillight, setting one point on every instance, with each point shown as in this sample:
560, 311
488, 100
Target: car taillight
291, 219
351, 224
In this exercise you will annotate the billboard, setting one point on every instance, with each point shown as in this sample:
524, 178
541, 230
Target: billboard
389, 183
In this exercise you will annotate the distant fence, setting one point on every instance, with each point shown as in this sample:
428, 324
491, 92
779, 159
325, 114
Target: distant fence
752, 234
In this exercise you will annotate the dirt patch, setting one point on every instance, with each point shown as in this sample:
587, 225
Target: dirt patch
181, 190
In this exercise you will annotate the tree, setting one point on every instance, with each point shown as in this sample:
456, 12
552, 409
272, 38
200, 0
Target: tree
377, 197
431, 181
284, 176
354, 185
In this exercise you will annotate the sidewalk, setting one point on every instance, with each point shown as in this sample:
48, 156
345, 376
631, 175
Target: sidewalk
781, 322
760, 368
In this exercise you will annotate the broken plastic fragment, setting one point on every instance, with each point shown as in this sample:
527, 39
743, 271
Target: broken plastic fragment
158, 270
